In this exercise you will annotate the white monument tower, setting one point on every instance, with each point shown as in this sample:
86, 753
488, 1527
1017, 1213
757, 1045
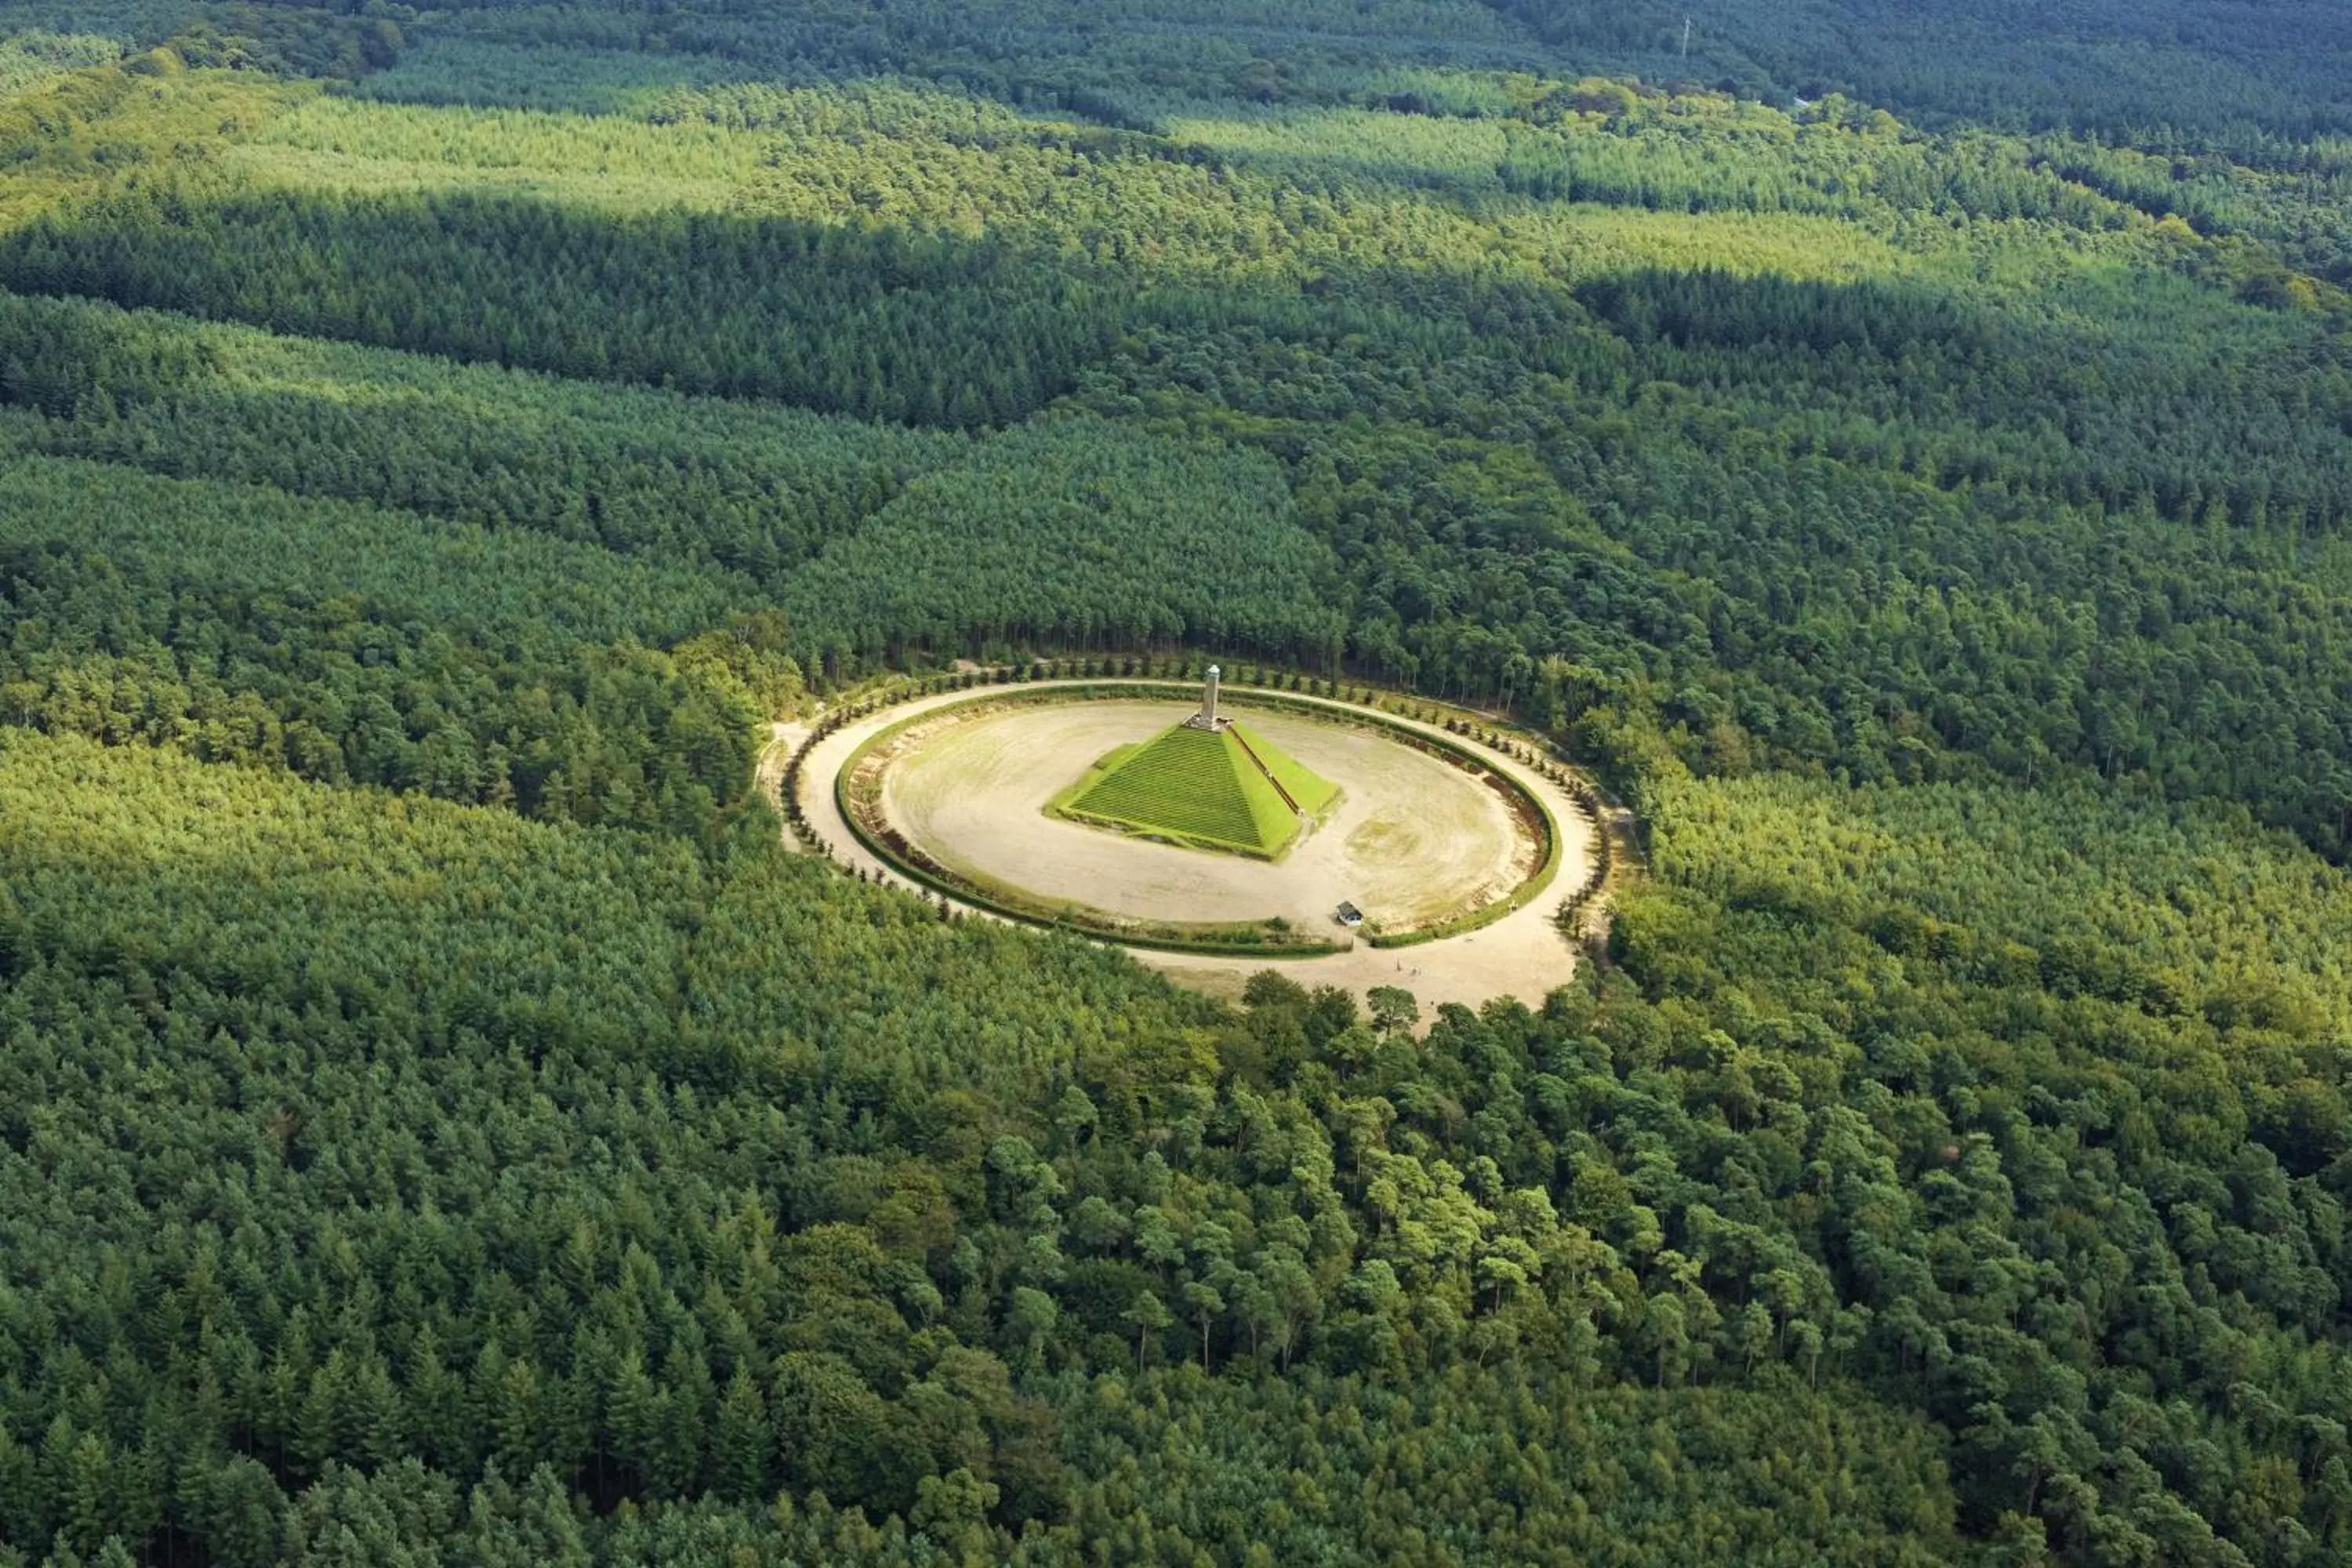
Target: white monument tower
1206, 718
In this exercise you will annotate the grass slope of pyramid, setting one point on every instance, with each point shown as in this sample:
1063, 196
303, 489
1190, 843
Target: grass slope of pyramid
1202, 788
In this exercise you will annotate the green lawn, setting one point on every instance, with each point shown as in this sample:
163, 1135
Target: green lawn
1203, 789
1311, 791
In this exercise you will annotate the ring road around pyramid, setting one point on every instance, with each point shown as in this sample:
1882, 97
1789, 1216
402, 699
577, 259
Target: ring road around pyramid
968, 796
1223, 788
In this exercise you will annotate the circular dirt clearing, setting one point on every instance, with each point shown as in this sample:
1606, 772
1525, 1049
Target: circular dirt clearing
1413, 840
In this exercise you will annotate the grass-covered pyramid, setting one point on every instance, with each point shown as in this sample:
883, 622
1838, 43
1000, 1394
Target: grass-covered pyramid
1227, 788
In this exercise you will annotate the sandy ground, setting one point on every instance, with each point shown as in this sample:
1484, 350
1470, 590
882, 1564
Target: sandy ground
1357, 854
1411, 839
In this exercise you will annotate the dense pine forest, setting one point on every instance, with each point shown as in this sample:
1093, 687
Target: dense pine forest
1906, 456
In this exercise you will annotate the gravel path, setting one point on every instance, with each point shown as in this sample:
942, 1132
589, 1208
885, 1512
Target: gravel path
1523, 954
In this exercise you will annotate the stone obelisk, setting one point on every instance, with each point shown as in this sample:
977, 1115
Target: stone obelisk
1206, 718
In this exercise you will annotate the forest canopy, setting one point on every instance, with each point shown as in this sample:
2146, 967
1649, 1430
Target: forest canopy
1905, 460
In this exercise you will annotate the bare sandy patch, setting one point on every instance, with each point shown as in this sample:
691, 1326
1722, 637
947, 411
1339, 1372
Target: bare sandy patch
1524, 954
1412, 839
